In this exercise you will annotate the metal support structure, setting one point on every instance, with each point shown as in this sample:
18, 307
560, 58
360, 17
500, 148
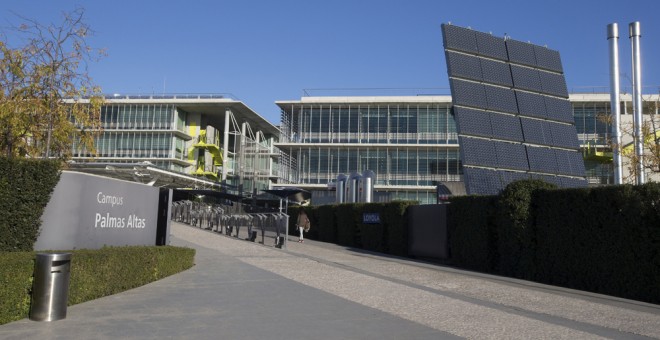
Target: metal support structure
635, 35
225, 146
613, 38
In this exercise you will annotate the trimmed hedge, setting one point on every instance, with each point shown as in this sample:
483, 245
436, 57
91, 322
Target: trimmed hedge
25, 189
604, 240
516, 232
94, 274
342, 224
472, 232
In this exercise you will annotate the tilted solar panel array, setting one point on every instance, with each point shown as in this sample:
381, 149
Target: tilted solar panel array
512, 112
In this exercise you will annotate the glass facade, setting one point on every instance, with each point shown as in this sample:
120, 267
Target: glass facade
410, 145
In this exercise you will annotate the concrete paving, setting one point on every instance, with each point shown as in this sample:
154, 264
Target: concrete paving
313, 290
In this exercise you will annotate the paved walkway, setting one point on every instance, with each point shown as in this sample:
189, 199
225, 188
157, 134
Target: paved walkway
244, 290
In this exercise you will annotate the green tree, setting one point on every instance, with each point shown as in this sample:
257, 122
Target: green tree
48, 102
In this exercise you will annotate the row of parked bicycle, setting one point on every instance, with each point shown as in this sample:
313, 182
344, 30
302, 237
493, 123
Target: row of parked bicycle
229, 220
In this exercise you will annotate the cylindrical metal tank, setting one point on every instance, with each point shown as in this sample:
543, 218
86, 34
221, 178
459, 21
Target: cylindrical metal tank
353, 187
367, 186
340, 193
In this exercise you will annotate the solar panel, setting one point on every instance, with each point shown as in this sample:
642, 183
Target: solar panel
548, 59
559, 110
535, 132
542, 160
464, 66
526, 78
506, 127
468, 94
472, 122
521, 52
480, 152
508, 177
495, 72
481, 181
491, 46
564, 136
501, 99
459, 38
553, 84
511, 156
573, 182
520, 92
531, 104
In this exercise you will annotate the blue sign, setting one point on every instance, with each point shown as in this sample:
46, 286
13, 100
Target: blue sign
371, 218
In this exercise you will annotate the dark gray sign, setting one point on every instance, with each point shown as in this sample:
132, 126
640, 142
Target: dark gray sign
88, 212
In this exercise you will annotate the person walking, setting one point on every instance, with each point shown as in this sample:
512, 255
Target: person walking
303, 224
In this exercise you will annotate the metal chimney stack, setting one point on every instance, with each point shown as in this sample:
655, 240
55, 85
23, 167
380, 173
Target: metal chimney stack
613, 38
635, 35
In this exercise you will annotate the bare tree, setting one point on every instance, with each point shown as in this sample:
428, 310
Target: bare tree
48, 101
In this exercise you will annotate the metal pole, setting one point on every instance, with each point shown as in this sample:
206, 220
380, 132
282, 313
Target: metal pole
635, 35
225, 146
613, 37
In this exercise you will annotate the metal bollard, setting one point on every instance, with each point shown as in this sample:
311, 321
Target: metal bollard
50, 290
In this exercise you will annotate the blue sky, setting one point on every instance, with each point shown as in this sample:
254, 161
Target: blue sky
263, 51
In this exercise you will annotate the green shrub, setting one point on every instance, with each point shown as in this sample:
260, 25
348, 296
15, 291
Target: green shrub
348, 217
94, 274
516, 233
394, 217
372, 237
327, 224
604, 240
16, 270
472, 233
25, 189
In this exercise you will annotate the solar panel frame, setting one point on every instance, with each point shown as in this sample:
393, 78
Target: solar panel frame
520, 95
